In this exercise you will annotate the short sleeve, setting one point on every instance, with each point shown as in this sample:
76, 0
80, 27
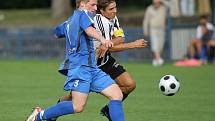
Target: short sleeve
86, 20
118, 31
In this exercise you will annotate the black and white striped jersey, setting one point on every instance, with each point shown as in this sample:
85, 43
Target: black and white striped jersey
106, 28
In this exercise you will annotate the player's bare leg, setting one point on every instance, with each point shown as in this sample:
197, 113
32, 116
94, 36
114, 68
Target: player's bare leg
127, 84
115, 96
63, 108
195, 44
66, 97
79, 101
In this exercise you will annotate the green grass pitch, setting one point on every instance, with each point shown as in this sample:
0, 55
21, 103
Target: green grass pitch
25, 84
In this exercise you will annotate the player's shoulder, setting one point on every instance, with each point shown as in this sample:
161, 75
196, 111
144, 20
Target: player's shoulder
97, 17
100, 17
85, 15
78, 13
101, 20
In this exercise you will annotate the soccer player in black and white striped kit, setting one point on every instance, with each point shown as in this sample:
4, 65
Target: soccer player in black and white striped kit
107, 24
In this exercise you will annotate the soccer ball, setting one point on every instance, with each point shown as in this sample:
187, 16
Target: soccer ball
169, 85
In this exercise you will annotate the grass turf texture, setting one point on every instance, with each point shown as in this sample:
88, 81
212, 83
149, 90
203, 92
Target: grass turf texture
25, 84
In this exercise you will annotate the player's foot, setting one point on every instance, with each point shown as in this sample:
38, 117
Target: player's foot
105, 112
33, 116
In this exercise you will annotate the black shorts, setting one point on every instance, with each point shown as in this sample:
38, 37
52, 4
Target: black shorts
112, 68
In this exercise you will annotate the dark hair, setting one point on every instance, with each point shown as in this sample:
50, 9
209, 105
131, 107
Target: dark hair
102, 4
204, 17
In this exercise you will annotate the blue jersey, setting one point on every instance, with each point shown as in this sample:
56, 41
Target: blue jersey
79, 46
83, 75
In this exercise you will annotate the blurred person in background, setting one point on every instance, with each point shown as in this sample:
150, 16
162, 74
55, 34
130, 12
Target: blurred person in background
203, 34
211, 49
154, 24
207, 44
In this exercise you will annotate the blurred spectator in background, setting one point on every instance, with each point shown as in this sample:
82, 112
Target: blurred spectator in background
205, 44
154, 24
211, 49
204, 7
204, 33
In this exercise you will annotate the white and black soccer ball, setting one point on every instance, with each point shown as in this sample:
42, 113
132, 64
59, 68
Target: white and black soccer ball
169, 85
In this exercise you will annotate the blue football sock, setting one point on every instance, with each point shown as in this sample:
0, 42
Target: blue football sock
116, 110
62, 108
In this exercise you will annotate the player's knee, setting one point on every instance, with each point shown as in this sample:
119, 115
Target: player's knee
130, 86
113, 92
117, 95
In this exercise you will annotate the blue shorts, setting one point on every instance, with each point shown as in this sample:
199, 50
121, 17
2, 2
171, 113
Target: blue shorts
85, 79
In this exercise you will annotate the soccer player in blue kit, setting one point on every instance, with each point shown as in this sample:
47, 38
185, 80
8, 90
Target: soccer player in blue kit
106, 23
83, 74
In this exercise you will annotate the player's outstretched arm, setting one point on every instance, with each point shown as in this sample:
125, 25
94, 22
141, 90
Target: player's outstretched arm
93, 33
118, 40
140, 43
101, 50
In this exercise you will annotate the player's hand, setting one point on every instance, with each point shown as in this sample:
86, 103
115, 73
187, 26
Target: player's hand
140, 43
107, 43
100, 51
